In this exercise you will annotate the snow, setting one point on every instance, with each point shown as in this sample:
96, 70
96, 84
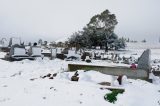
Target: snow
138, 48
16, 88
2, 54
53, 51
72, 53
21, 84
36, 51
142, 94
102, 63
19, 51
46, 51
59, 50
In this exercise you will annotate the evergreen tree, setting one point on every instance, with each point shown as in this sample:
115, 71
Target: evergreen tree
98, 32
144, 41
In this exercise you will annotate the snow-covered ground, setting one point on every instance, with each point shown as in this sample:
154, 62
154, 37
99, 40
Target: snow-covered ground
21, 84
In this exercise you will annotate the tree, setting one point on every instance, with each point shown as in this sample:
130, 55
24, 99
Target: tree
144, 41
102, 26
98, 32
60, 44
52, 44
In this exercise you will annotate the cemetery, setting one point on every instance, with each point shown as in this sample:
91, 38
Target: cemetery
111, 72
137, 68
79, 53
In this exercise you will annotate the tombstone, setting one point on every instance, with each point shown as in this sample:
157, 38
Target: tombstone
88, 60
119, 79
102, 56
144, 60
46, 52
93, 55
59, 50
17, 50
61, 56
83, 57
72, 55
14, 41
98, 56
98, 47
5, 49
3, 42
126, 61
75, 77
35, 51
34, 44
112, 57
53, 53
17, 53
65, 51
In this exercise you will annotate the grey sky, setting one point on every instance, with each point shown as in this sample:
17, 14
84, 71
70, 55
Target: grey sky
52, 19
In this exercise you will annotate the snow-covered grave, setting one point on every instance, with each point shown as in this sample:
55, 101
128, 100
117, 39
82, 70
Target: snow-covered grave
59, 50
141, 72
22, 83
24, 78
72, 55
46, 52
36, 51
19, 52
53, 52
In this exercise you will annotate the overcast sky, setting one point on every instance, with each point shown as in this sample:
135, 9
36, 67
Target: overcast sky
53, 19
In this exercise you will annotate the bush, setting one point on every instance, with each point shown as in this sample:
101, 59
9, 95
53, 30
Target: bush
112, 97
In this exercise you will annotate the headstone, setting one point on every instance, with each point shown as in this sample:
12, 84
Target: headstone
65, 51
71, 53
61, 56
75, 77
53, 53
16, 49
93, 55
83, 57
144, 60
19, 51
36, 51
119, 79
88, 60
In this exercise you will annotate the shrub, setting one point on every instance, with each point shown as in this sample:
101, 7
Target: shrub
112, 97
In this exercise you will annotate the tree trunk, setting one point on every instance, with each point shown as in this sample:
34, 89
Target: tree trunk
106, 49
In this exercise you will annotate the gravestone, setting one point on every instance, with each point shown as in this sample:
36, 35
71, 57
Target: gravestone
61, 56
53, 53
144, 60
12, 50
88, 60
35, 51
83, 57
